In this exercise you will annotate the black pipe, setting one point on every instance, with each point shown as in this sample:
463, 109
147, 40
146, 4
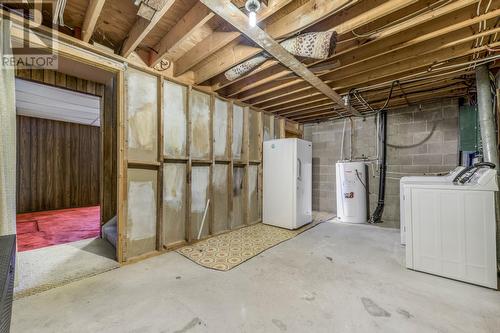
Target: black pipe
377, 214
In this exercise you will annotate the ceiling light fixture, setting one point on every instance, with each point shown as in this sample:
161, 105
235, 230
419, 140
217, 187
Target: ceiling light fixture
252, 6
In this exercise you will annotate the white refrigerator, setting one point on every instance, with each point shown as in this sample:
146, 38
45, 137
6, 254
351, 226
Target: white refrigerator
287, 188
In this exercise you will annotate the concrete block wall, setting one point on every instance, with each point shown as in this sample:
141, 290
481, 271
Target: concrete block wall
430, 153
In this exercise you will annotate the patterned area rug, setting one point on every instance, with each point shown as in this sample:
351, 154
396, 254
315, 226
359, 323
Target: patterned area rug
226, 251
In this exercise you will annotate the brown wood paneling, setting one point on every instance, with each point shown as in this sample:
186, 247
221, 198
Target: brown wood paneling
58, 165
64, 191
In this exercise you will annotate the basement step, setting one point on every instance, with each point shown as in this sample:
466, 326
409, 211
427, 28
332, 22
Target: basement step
110, 231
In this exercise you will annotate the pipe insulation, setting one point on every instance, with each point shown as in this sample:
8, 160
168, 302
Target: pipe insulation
486, 115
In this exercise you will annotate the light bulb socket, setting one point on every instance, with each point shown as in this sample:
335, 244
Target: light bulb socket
252, 5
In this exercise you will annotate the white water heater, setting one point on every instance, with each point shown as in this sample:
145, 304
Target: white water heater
352, 194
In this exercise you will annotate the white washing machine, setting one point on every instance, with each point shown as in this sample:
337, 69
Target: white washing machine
445, 179
451, 229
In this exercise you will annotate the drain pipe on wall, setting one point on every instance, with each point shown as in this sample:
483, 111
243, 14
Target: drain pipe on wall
488, 130
377, 214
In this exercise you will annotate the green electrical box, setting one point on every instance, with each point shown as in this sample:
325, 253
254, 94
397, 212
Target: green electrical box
470, 136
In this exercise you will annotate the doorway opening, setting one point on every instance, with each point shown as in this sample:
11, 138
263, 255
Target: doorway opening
66, 174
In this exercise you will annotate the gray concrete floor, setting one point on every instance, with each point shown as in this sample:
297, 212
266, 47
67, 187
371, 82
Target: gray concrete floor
53, 266
332, 278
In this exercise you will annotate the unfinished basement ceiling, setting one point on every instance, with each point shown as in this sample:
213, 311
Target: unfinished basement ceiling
419, 50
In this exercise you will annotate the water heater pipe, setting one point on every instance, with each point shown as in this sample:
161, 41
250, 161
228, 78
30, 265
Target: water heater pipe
377, 214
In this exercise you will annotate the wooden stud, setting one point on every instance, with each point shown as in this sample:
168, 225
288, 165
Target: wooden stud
122, 168
160, 227
189, 237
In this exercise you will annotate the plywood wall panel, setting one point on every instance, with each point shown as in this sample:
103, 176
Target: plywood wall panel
200, 180
174, 203
57, 167
237, 144
238, 211
220, 130
200, 125
141, 212
141, 98
220, 198
174, 120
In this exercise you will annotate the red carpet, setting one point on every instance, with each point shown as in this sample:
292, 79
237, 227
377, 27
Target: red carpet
41, 229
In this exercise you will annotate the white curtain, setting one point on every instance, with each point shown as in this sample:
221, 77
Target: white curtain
7, 136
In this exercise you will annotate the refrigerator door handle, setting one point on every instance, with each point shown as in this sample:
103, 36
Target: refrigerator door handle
299, 169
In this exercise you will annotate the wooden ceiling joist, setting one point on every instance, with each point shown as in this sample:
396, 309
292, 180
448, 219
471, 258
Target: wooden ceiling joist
141, 29
92, 14
378, 99
406, 52
396, 103
194, 18
413, 75
429, 46
219, 39
299, 19
379, 45
398, 67
342, 24
230, 13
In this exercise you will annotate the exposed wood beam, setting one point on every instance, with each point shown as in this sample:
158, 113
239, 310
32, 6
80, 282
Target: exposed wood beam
378, 98
406, 51
141, 29
318, 104
396, 103
219, 39
194, 18
376, 45
379, 92
382, 68
202, 50
93, 11
411, 75
230, 13
304, 16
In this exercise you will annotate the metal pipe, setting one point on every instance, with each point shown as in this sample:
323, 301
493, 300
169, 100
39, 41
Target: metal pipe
488, 132
342, 144
486, 115
377, 214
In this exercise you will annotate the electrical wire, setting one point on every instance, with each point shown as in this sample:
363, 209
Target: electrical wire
359, 97
433, 129
482, 26
364, 185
